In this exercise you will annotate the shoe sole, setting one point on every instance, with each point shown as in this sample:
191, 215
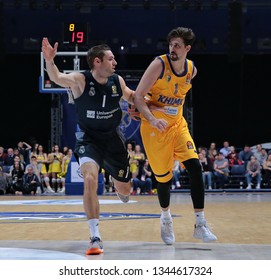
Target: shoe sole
94, 251
205, 240
169, 243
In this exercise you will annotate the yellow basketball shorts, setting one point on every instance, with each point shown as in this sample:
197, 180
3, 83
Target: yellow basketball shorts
162, 148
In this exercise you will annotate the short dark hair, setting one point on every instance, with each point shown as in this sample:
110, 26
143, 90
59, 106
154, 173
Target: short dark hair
96, 51
185, 33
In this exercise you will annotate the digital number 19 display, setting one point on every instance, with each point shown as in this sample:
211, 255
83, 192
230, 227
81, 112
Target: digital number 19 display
75, 33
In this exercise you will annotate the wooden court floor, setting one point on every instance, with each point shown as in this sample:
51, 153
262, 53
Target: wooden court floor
242, 218
235, 219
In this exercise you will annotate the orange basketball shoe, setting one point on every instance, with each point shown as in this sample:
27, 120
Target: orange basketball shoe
96, 246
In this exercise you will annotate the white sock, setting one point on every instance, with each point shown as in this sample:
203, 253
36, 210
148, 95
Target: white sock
93, 225
165, 214
199, 217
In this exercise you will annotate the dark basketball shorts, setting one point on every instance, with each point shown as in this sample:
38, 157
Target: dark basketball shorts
108, 150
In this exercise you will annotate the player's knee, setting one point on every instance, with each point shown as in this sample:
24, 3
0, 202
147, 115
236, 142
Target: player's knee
90, 182
192, 166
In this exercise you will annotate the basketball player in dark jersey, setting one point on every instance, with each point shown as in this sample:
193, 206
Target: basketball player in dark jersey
99, 143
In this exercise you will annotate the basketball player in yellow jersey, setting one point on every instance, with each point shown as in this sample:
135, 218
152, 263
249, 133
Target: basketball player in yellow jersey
164, 130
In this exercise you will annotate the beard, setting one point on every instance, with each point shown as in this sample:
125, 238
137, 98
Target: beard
173, 56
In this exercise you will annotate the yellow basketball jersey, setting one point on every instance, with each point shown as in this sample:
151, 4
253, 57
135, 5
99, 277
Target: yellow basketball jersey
170, 90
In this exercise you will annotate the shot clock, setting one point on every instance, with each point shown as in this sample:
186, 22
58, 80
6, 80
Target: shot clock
75, 33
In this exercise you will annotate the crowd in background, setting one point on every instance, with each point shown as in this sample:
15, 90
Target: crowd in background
31, 170
218, 165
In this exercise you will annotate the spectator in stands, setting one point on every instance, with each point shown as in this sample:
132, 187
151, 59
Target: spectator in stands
30, 182
64, 167
234, 160
266, 171
42, 160
16, 159
55, 161
3, 155
226, 149
9, 160
245, 155
17, 153
143, 180
207, 170
24, 149
253, 172
65, 150
200, 148
36, 170
138, 158
212, 152
232, 153
3, 181
260, 154
16, 177
34, 151
132, 162
221, 170
176, 175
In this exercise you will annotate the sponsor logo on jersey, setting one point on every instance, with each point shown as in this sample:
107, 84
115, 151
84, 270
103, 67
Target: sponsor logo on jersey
171, 110
170, 100
90, 114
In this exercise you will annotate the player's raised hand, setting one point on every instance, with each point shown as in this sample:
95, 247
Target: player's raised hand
48, 51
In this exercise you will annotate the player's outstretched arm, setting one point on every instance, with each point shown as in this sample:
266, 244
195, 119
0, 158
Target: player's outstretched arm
62, 79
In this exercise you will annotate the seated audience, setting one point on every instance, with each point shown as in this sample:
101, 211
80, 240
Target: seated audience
245, 155
3, 181
16, 177
234, 160
3, 155
9, 160
253, 172
226, 149
142, 183
212, 152
260, 154
221, 170
176, 175
30, 182
266, 171
207, 170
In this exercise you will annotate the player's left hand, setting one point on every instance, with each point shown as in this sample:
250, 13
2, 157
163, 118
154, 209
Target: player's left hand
134, 113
